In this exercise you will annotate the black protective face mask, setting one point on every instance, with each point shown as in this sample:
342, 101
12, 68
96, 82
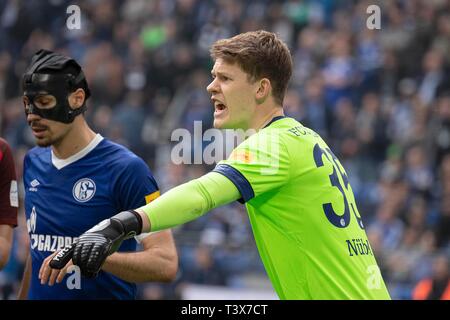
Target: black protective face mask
52, 74
57, 85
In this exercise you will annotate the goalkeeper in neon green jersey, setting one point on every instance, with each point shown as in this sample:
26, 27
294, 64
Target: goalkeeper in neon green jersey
306, 224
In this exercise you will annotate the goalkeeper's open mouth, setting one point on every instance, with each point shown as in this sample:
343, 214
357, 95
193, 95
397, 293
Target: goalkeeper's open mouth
219, 108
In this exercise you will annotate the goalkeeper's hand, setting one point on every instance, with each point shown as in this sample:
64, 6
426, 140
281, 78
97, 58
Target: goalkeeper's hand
92, 248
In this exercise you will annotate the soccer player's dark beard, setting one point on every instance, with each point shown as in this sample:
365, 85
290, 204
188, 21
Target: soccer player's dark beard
50, 141
43, 144
56, 141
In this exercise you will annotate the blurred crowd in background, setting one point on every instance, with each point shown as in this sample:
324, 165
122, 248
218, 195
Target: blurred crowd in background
380, 98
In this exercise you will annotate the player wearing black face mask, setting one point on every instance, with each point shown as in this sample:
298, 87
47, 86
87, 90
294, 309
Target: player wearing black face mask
75, 181
56, 77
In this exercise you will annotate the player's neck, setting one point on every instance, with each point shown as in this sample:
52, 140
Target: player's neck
76, 139
262, 119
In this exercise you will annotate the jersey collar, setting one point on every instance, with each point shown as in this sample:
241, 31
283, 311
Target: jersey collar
273, 120
61, 163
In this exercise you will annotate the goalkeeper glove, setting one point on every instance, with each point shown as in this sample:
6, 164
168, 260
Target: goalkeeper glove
92, 248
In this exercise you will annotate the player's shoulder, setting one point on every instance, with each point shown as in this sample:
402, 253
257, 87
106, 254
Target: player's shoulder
37, 153
37, 158
119, 157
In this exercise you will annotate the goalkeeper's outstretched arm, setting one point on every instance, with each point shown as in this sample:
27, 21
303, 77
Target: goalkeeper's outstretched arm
188, 201
177, 206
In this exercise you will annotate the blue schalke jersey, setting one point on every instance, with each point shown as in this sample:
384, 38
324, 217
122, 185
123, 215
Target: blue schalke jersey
64, 198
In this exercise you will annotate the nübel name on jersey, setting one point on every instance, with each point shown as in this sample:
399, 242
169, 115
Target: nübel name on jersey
358, 247
301, 131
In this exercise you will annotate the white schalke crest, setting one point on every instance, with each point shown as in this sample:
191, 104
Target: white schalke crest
84, 190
